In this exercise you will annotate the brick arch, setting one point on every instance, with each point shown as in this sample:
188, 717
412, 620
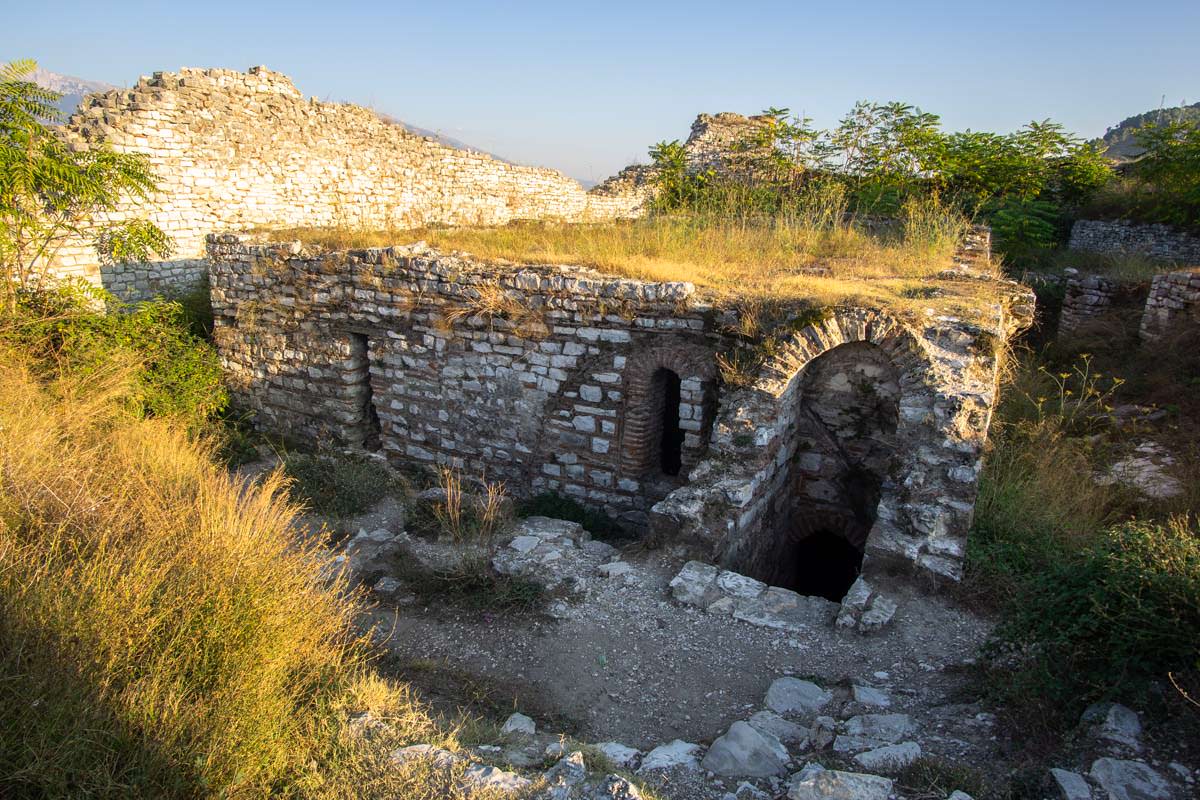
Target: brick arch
695, 365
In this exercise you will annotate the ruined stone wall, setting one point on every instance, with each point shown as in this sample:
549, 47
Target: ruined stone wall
1117, 236
1091, 297
236, 150
946, 372
541, 377
1174, 302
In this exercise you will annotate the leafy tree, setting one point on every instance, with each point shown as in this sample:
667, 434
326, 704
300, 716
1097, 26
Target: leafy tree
677, 185
51, 192
1171, 168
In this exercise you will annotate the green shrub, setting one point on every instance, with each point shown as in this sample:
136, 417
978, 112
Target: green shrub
337, 485
549, 504
1109, 619
473, 584
79, 330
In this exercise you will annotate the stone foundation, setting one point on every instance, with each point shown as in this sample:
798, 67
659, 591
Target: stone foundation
1174, 303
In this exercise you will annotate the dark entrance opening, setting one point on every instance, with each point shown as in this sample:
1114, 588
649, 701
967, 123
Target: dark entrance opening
823, 564
666, 388
360, 356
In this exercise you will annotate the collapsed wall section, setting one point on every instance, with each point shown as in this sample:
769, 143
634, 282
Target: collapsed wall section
236, 150
546, 378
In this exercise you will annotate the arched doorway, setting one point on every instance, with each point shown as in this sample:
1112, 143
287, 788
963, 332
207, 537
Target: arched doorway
842, 443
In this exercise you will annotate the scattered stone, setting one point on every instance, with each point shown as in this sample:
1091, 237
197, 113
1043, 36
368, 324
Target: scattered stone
602, 550
870, 696
1071, 785
555, 750
863, 609
782, 729
730, 594
883, 727
889, 758
677, 753
386, 585
746, 751
440, 757
569, 771
1114, 722
619, 754
615, 569
1129, 780
832, 784
958, 794
792, 696
618, 788
823, 732
519, 723
485, 776
747, 791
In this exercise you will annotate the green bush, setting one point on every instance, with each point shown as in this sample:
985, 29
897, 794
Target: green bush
337, 486
68, 329
1109, 619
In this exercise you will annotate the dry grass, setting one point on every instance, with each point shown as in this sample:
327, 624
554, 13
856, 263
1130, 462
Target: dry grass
753, 259
163, 633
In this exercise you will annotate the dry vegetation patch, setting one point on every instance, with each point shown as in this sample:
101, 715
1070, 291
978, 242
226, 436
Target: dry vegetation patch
900, 265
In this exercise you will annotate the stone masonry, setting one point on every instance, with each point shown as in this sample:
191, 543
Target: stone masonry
560, 379
237, 150
1174, 302
1118, 236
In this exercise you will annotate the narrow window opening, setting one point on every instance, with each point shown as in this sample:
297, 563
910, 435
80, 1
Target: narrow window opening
360, 358
666, 384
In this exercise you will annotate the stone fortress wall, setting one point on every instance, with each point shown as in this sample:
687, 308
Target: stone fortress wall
240, 150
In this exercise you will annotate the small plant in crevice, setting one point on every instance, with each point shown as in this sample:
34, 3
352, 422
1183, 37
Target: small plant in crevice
337, 485
466, 517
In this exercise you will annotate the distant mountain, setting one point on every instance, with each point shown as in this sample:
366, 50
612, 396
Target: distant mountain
1120, 140
71, 88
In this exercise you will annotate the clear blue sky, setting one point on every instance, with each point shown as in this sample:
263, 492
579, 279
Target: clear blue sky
587, 87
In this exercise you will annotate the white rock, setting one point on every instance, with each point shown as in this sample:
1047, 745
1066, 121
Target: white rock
796, 697
523, 544
884, 727
619, 754
870, 696
889, 758
832, 784
1071, 785
959, 795
1114, 722
438, 756
615, 569
677, 753
519, 723
618, 788
485, 776
745, 751
1129, 780
569, 771
782, 729
695, 584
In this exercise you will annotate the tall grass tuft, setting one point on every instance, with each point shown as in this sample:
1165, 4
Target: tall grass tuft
164, 632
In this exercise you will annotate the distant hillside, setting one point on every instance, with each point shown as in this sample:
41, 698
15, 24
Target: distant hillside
1120, 140
71, 88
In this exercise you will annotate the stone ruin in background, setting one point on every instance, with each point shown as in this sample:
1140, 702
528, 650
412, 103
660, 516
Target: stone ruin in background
856, 445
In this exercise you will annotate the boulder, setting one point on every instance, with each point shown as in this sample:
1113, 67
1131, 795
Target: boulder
832, 784
487, 777
677, 753
619, 754
783, 730
881, 727
1115, 723
1129, 780
1071, 785
569, 770
870, 696
890, 758
794, 697
745, 751
519, 724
